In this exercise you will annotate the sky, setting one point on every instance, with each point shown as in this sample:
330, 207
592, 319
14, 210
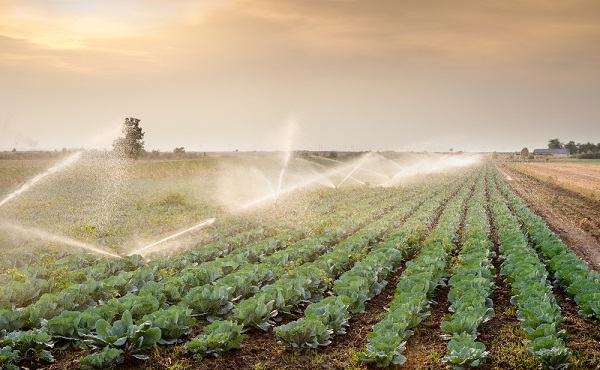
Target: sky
471, 75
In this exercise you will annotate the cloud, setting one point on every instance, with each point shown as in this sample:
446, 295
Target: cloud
70, 24
240, 67
240, 35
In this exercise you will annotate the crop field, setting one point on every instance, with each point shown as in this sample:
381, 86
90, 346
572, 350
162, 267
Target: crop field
582, 176
569, 209
291, 261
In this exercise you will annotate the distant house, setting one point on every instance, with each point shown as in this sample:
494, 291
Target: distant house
556, 152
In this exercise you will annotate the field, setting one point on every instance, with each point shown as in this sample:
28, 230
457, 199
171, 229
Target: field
581, 176
562, 193
308, 261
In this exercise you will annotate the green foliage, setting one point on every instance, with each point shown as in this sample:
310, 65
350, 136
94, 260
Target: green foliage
108, 358
410, 305
464, 352
304, 333
31, 343
331, 311
173, 323
384, 351
125, 335
220, 336
555, 144
11, 320
208, 300
538, 310
132, 145
66, 328
257, 312
9, 358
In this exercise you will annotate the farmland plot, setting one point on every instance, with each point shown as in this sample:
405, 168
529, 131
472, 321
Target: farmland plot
573, 215
414, 276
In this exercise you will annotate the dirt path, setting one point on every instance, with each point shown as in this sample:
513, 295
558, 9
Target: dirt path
576, 219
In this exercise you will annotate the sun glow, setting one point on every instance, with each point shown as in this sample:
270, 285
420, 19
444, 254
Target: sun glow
78, 24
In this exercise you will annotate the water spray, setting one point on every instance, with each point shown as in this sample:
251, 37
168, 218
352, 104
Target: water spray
332, 171
354, 170
200, 225
31, 231
291, 129
300, 185
70, 160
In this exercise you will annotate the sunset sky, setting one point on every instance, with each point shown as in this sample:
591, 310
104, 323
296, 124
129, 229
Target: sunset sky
350, 74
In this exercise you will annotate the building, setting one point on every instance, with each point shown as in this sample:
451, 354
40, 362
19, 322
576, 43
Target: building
554, 152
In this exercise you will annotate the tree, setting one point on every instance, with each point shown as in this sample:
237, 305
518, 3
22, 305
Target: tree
179, 150
524, 153
573, 148
587, 148
555, 144
132, 145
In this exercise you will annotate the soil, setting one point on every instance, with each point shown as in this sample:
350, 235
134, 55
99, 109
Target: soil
572, 216
582, 177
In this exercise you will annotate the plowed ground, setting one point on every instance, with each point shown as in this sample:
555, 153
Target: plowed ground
573, 216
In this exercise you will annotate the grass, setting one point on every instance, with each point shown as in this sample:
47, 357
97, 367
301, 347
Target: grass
113, 204
510, 348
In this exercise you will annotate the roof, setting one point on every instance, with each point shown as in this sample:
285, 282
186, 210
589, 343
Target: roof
552, 151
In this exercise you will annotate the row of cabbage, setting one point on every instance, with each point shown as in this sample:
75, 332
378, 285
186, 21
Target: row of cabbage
410, 304
20, 287
218, 298
570, 272
127, 276
364, 281
471, 287
304, 284
531, 291
70, 326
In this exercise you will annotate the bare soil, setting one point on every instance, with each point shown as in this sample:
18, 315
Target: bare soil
573, 217
580, 177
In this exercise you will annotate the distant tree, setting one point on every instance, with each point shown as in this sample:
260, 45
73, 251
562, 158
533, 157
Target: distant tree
524, 153
555, 144
132, 145
573, 148
179, 150
14, 150
587, 148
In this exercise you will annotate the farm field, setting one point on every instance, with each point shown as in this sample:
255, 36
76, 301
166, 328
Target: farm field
582, 176
414, 261
572, 214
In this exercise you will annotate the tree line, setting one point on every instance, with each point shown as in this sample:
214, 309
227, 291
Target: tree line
579, 148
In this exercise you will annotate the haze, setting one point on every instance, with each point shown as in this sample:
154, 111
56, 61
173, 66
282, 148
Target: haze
351, 75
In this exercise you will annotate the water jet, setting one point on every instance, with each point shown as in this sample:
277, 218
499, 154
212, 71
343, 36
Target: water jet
70, 160
31, 231
198, 226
